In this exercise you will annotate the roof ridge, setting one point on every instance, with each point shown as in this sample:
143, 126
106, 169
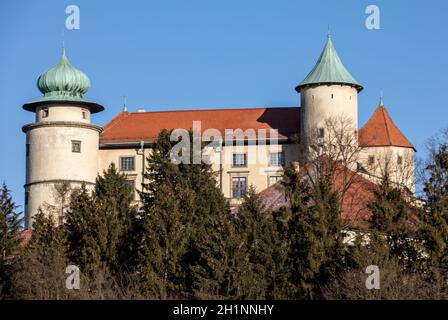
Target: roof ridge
217, 109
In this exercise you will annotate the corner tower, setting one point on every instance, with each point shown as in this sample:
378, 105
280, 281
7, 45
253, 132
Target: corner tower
62, 144
328, 91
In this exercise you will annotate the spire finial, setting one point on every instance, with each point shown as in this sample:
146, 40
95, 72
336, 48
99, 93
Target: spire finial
63, 43
125, 105
381, 99
328, 32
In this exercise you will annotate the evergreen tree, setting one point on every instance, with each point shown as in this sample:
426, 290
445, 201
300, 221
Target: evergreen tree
115, 200
10, 227
435, 215
314, 228
42, 273
86, 232
264, 246
182, 207
99, 224
391, 217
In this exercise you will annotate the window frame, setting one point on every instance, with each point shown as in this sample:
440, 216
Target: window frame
280, 163
74, 143
121, 158
45, 113
240, 194
234, 165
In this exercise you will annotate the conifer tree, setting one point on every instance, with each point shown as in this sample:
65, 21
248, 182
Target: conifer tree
86, 232
435, 215
391, 217
314, 229
265, 248
182, 204
10, 227
115, 200
42, 273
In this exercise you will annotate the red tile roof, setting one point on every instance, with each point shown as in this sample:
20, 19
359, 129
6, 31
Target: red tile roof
355, 190
137, 126
359, 193
380, 130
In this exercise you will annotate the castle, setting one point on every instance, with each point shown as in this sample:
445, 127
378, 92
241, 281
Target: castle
63, 146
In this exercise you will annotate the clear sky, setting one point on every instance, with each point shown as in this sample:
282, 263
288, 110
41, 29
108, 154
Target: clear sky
200, 54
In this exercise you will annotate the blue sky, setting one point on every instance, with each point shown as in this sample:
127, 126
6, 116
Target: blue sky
201, 54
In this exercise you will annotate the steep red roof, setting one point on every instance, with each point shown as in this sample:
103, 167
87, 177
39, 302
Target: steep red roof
357, 193
380, 130
137, 126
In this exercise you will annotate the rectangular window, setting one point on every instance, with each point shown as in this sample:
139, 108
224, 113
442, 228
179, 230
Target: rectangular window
371, 160
45, 113
277, 159
76, 146
239, 160
399, 160
239, 187
27, 149
274, 179
84, 115
27, 197
127, 163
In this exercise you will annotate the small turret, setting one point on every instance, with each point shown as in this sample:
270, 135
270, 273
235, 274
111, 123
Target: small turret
62, 144
328, 91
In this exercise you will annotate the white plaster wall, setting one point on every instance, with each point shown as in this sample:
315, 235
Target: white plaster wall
63, 113
317, 104
401, 174
257, 170
51, 156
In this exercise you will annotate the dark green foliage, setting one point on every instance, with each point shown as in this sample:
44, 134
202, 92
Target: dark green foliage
99, 225
181, 205
265, 249
10, 227
314, 233
115, 200
42, 273
86, 232
391, 217
435, 215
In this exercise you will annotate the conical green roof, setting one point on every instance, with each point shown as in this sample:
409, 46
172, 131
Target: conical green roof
329, 70
64, 84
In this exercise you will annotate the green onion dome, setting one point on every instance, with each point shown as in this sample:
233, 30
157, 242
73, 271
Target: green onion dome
63, 81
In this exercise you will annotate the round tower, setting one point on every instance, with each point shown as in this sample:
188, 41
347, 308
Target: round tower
328, 91
62, 144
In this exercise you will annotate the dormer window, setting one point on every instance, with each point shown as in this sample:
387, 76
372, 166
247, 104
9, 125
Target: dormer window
45, 113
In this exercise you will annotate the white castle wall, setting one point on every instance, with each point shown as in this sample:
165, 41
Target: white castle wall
327, 101
50, 158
